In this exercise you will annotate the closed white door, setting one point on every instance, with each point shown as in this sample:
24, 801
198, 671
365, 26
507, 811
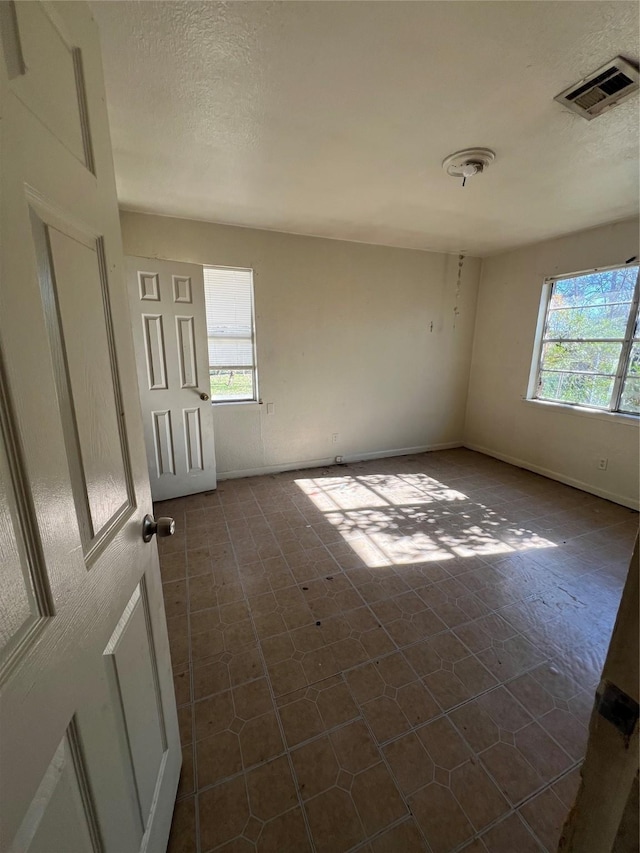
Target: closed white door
89, 745
170, 337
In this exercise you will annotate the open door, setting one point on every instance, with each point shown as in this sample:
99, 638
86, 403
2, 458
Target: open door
89, 745
170, 338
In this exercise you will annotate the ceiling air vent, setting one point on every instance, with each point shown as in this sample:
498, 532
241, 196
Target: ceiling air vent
605, 88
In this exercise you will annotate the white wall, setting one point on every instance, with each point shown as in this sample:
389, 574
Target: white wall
554, 441
344, 342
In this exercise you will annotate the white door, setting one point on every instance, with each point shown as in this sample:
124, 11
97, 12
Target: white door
170, 338
89, 745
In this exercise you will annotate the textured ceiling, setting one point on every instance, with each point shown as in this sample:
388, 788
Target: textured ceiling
333, 118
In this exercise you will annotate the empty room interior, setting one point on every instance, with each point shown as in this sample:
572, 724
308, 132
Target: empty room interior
319, 528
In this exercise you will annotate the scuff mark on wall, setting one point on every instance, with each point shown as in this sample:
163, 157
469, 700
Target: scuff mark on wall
456, 307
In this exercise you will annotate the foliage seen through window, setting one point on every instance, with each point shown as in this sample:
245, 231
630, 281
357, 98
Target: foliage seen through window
590, 350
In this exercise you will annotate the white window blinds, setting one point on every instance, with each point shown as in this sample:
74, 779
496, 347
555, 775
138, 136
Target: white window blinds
230, 332
229, 307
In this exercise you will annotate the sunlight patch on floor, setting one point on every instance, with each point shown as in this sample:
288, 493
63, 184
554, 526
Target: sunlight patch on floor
391, 520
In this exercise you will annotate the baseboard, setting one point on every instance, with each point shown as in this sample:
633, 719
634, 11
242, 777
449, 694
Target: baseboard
274, 469
555, 475
330, 460
402, 451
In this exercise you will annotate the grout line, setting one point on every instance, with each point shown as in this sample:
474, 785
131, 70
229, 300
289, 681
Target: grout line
527, 828
379, 747
278, 699
362, 845
196, 799
534, 793
285, 749
192, 745
277, 715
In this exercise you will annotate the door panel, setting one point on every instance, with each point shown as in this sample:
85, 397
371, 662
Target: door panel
23, 612
173, 370
61, 815
49, 79
181, 289
131, 658
149, 286
154, 350
24, 585
193, 440
185, 332
76, 301
163, 444
81, 664
81, 297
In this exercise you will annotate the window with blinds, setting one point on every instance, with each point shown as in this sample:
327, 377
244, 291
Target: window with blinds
230, 334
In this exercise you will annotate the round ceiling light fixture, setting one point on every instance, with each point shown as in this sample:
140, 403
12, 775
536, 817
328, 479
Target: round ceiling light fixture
467, 163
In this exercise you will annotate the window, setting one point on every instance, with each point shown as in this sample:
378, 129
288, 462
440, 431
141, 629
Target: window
231, 334
589, 351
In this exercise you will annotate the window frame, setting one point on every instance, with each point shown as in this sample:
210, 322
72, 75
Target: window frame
631, 336
255, 398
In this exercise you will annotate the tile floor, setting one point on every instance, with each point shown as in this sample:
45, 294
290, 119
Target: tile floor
397, 655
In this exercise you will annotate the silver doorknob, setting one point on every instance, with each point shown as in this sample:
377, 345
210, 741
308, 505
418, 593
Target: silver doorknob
163, 527
204, 396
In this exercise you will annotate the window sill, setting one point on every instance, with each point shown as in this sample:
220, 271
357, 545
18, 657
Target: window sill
583, 412
216, 403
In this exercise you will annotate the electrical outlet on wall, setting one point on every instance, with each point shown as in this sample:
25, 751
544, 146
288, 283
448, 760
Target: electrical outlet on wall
602, 463
334, 438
